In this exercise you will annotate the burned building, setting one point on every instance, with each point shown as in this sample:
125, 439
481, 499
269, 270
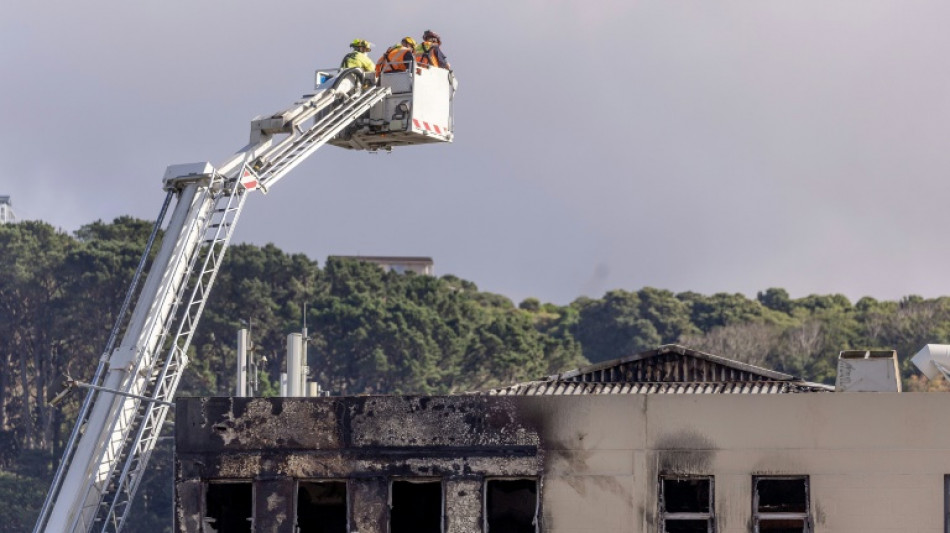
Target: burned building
670, 440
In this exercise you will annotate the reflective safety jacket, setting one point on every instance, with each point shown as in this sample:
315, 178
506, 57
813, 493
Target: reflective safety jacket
357, 60
396, 59
431, 54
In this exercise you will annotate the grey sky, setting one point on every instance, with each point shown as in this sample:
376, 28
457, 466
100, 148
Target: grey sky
706, 145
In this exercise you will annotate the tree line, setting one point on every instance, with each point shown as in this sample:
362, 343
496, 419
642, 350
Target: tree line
373, 332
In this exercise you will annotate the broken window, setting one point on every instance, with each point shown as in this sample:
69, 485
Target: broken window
229, 507
686, 505
321, 507
511, 505
415, 506
780, 504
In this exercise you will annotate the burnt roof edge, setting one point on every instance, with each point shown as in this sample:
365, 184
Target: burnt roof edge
667, 348
681, 350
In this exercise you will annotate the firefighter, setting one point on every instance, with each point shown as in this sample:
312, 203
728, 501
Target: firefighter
398, 57
358, 58
429, 51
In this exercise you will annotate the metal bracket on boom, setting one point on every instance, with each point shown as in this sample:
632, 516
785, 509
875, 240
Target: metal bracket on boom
177, 177
72, 384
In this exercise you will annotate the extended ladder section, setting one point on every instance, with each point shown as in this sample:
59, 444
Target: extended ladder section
128, 399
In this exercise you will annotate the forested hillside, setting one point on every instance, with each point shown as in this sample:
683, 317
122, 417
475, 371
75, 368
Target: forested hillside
371, 332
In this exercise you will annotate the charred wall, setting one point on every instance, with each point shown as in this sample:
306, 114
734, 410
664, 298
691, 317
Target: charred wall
365, 441
619, 463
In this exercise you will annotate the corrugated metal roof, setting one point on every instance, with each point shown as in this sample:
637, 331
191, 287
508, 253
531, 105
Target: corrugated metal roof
669, 369
561, 388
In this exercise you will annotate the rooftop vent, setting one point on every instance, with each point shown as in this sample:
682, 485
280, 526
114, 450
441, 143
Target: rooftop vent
933, 360
868, 371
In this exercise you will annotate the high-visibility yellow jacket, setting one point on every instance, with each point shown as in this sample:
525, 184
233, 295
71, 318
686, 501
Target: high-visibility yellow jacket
357, 60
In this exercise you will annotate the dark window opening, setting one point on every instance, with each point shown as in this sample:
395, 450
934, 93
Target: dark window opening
686, 505
321, 507
686, 495
230, 508
782, 526
416, 507
780, 504
782, 495
511, 505
686, 526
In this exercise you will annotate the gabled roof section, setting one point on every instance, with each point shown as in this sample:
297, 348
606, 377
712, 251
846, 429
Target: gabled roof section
669, 369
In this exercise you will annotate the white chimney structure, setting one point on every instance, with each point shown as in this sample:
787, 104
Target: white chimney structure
296, 376
241, 391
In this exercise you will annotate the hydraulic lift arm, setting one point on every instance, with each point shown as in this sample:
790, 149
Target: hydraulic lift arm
128, 398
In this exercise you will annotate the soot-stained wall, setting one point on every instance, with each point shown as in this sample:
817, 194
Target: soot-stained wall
874, 462
367, 441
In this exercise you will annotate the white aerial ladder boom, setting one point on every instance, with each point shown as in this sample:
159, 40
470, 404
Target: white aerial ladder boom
128, 398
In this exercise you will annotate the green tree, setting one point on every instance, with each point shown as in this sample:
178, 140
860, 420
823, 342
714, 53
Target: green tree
721, 309
612, 327
669, 315
776, 299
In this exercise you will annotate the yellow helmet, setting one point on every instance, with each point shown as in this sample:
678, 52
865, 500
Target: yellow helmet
409, 41
361, 43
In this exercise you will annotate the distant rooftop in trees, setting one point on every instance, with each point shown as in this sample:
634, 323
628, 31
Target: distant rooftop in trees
399, 264
6, 210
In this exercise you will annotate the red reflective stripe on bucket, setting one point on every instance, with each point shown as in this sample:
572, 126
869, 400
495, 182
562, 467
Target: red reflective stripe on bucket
429, 127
